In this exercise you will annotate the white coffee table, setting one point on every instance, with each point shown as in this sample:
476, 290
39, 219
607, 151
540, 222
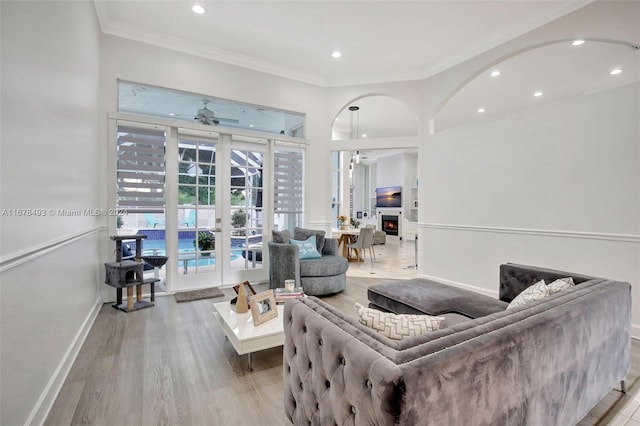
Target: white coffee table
242, 334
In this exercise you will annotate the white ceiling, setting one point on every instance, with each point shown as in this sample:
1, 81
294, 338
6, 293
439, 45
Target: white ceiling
380, 40
559, 70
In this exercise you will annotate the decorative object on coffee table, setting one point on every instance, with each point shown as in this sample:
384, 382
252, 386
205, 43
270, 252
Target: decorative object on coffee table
282, 295
263, 307
289, 285
241, 304
249, 291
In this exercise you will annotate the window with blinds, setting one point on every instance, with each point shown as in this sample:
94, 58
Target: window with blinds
288, 176
140, 170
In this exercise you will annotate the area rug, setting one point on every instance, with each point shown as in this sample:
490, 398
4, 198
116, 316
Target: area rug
205, 293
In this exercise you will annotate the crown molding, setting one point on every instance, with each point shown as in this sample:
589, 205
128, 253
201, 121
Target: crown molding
131, 32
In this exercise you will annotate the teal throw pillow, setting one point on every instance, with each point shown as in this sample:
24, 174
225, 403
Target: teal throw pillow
307, 248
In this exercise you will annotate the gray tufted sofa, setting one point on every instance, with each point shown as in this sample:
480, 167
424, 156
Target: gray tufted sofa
321, 276
545, 363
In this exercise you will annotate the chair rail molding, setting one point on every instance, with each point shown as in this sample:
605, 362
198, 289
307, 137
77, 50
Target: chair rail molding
625, 238
15, 259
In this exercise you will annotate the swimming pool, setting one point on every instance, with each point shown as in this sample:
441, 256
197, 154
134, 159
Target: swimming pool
155, 244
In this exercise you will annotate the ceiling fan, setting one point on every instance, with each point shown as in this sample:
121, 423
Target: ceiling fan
208, 117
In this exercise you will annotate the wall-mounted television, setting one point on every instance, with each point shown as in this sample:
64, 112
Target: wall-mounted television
389, 196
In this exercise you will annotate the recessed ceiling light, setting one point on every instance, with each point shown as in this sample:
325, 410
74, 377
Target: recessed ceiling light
250, 125
537, 94
481, 110
495, 73
337, 118
198, 9
364, 135
336, 54
172, 114
615, 71
577, 42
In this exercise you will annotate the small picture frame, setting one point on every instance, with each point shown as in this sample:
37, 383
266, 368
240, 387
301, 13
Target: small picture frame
263, 307
250, 290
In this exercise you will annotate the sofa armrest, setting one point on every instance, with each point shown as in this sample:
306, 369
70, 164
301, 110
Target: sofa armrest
330, 246
330, 377
284, 264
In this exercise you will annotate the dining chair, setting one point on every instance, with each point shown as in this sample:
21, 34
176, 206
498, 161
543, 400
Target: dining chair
364, 241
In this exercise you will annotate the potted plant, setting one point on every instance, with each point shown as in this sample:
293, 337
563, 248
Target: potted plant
342, 221
239, 221
206, 241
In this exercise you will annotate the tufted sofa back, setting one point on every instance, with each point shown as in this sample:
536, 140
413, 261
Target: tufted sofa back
523, 366
514, 278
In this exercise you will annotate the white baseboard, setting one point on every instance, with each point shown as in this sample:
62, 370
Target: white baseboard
48, 396
635, 328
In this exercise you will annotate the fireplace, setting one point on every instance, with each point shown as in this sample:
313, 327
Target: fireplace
390, 224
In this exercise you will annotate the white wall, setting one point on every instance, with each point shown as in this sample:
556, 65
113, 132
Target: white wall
50, 264
557, 186
390, 171
139, 62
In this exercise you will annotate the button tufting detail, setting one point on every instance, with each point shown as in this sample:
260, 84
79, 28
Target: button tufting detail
353, 409
327, 383
304, 329
369, 384
320, 342
310, 365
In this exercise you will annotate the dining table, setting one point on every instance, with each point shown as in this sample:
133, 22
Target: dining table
346, 237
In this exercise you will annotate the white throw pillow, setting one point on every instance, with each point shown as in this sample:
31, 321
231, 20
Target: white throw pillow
397, 326
560, 284
535, 292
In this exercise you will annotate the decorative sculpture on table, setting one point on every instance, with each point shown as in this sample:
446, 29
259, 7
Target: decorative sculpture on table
241, 304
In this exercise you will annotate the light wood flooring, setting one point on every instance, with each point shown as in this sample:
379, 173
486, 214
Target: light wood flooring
171, 365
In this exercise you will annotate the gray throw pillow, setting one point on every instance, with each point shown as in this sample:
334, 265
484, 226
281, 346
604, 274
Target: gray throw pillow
302, 234
281, 237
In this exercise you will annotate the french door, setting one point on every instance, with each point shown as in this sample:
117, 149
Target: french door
219, 209
200, 198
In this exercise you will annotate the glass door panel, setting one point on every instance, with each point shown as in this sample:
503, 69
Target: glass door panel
196, 206
246, 212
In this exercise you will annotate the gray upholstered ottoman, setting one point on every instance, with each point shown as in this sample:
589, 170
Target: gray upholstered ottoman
422, 296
